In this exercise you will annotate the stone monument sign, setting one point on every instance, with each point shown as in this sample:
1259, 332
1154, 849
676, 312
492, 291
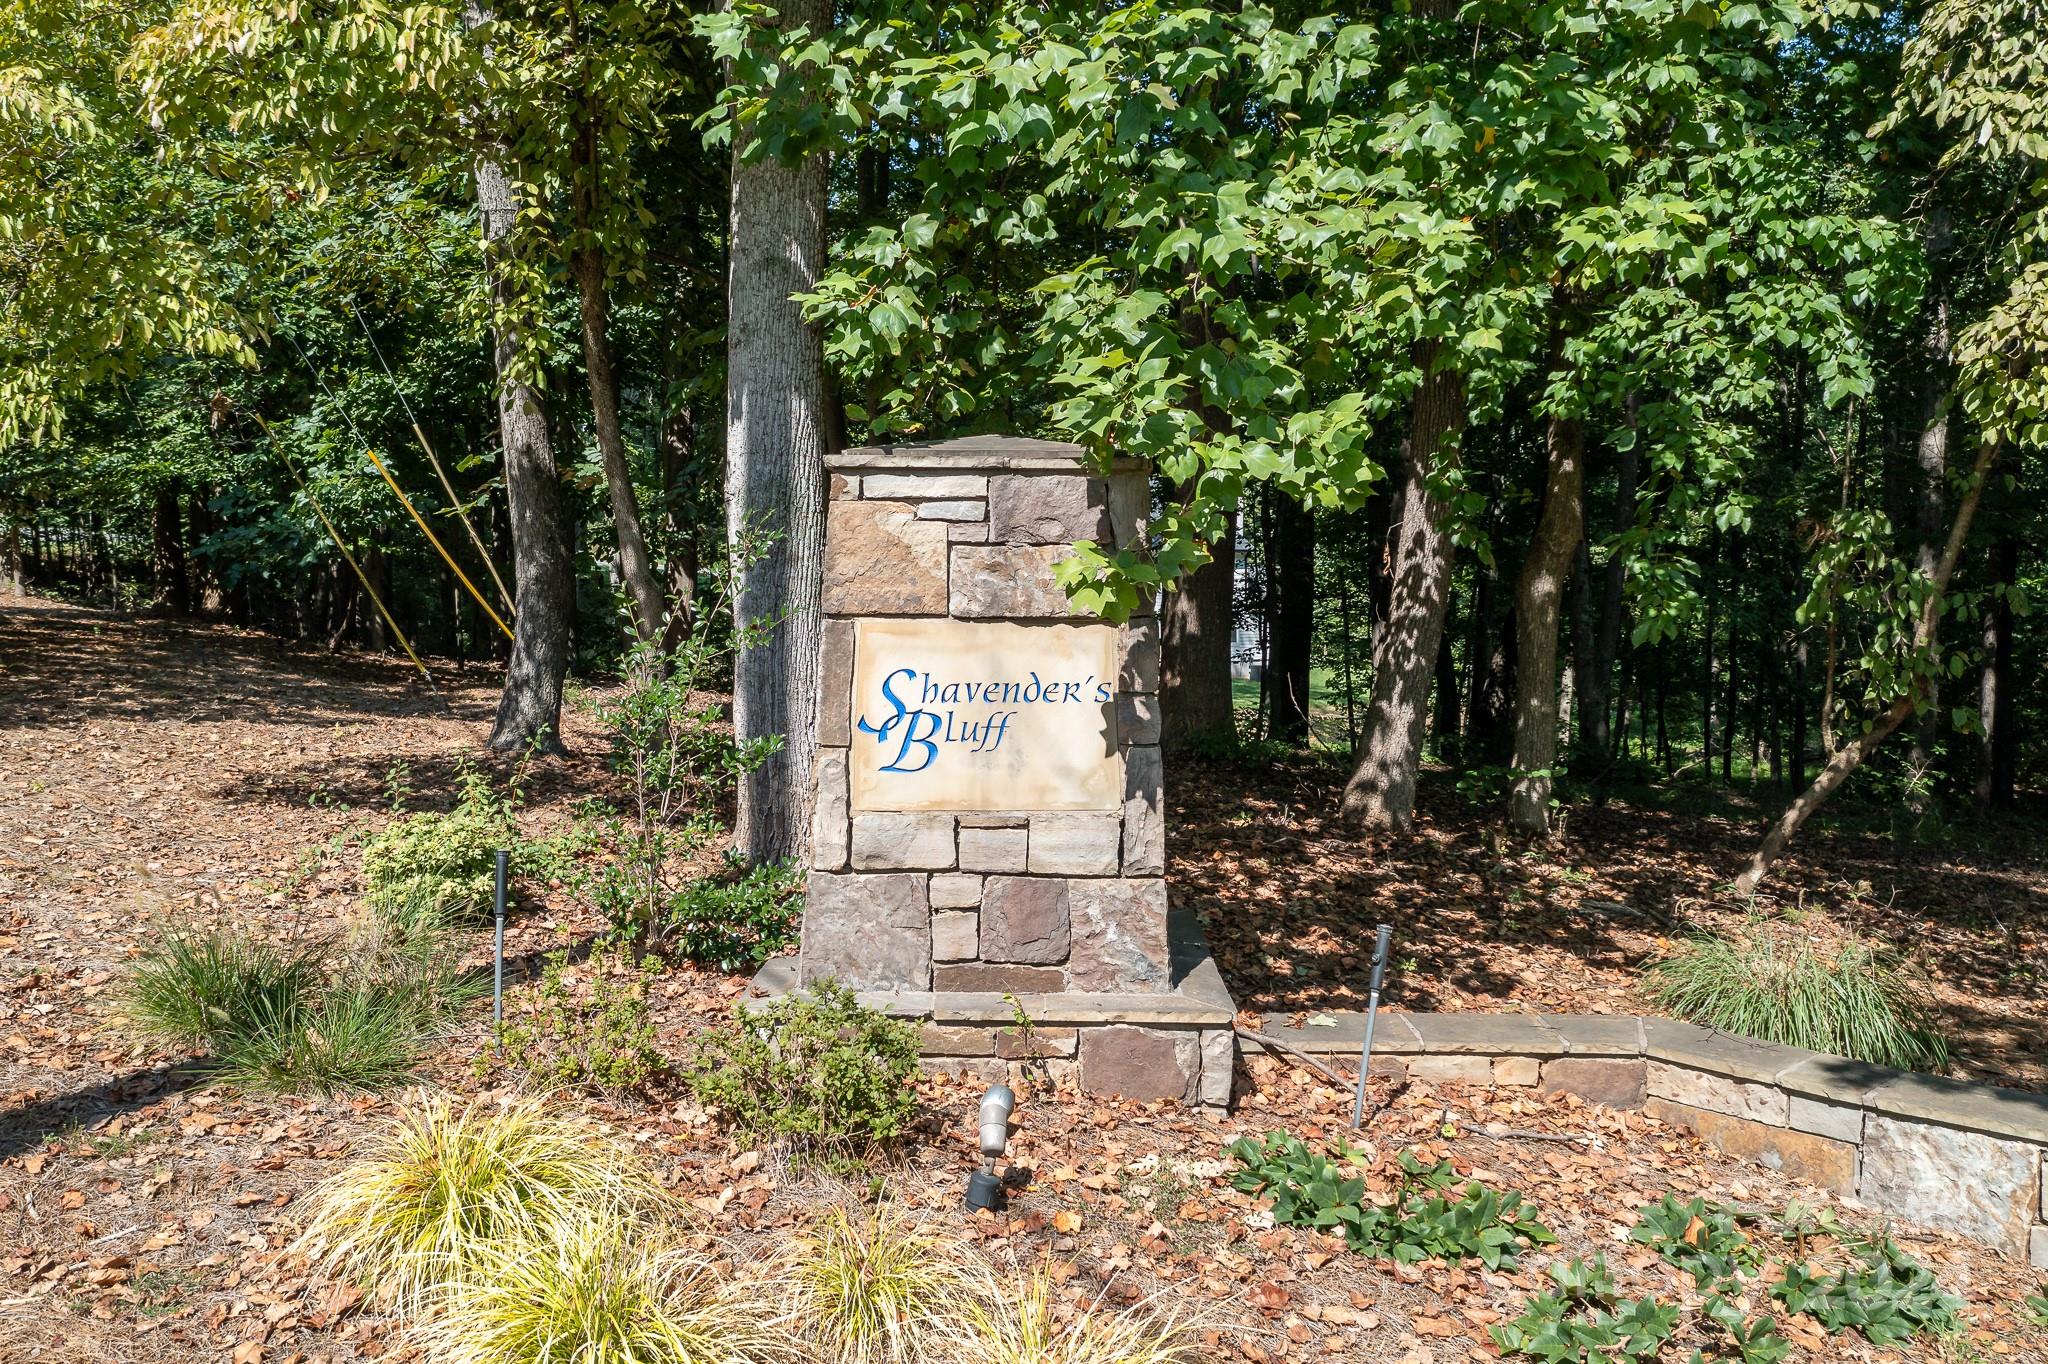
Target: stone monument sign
988, 822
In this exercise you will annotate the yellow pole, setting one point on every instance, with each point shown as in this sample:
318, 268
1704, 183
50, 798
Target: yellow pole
361, 576
435, 540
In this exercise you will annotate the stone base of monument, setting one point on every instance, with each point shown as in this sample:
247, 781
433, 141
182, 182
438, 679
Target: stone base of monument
989, 817
1173, 1045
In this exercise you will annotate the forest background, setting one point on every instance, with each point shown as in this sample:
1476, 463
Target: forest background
1576, 393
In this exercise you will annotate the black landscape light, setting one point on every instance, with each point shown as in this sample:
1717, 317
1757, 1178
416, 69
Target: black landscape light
498, 940
984, 1189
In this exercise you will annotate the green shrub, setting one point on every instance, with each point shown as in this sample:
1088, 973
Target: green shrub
1844, 1000
737, 920
1430, 1218
596, 1033
1584, 1319
441, 863
1698, 1238
1887, 1295
818, 1069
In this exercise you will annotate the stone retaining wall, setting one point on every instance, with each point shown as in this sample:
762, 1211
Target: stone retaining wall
1971, 1159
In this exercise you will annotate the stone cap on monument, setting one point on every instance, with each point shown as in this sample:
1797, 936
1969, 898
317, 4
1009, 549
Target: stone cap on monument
1016, 454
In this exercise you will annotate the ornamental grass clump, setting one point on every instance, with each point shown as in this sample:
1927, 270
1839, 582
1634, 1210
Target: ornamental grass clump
195, 984
873, 1287
1838, 997
1008, 1323
290, 1016
443, 1184
602, 1291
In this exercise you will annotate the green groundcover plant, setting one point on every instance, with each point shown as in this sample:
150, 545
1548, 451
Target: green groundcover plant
1431, 1215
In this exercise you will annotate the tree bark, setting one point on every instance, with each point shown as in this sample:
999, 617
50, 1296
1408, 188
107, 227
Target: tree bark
1997, 746
1850, 756
678, 448
173, 589
1538, 596
1381, 792
1596, 683
587, 266
1444, 724
1291, 568
1194, 651
636, 565
13, 564
544, 586
776, 423
1930, 504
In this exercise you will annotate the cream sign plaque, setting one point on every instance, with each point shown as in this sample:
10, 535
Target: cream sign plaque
984, 716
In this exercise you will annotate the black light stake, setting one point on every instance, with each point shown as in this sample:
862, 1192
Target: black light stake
498, 948
1372, 1009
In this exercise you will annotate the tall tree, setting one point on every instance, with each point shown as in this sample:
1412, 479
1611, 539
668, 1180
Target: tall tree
776, 425
1976, 68
1381, 791
1538, 593
1291, 566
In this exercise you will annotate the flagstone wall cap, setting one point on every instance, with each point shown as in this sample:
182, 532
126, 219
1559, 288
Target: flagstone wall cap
1017, 453
1958, 1103
1598, 1034
1484, 1034
1834, 1078
1739, 1058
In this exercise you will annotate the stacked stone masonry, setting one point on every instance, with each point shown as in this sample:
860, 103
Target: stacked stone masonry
1044, 904
1970, 1159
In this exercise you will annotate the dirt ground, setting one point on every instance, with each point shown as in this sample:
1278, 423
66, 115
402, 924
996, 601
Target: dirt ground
151, 772
1288, 896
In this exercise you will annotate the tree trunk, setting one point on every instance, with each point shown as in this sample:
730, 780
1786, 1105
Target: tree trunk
13, 564
1597, 681
1930, 505
1381, 792
1850, 756
1481, 655
377, 568
678, 449
173, 591
1291, 569
1997, 746
776, 414
1729, 697
1538, 596
1443, 726
636, 565
544, 585
1194, 651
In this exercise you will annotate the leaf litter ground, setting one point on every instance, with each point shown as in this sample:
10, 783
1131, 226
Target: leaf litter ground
151, 773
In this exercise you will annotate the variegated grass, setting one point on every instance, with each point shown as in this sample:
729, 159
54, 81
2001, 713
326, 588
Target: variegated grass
601, 1291
442, 1185
1005, 1322
871, 1287
1840, 997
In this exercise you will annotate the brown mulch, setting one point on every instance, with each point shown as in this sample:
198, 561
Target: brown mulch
1289, 896
151, 772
